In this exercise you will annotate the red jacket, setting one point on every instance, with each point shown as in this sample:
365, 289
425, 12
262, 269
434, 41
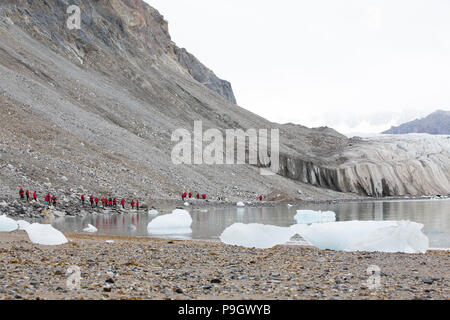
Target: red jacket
21, 192
122, 202
28, 193
96, 200
82, 197
35, 195
204, 196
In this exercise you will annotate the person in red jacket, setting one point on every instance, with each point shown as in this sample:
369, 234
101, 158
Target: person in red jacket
123, 203
91, 199
21, 193
204, 196
137, 205
260, 198
28, 195
96, 201
110, 202
132, 204
198, 196
183, 196
35, 196
115, 203
190, 195
82, 199
47, 200
54, 200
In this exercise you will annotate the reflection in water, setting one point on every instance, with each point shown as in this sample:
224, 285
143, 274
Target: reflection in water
434, 214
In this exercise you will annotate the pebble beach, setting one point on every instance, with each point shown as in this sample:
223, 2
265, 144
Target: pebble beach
146, 268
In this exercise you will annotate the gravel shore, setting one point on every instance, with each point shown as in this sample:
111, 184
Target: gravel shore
145, 268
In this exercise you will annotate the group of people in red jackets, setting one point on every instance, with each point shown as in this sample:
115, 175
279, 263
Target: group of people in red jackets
190, 195
49, 199
108, 202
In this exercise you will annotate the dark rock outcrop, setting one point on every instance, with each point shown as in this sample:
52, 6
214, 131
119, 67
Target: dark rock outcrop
436, 123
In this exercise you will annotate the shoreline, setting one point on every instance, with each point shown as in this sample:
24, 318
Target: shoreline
151, 268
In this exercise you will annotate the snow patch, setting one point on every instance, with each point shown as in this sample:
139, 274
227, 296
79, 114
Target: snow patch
178, 222
45, 234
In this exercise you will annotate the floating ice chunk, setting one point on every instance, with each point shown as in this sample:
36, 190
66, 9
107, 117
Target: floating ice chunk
240, 204
131, 228
7, 224
383, 236
23, 224
186, 204
310, 216
256, 235
290, 205
90, 228
178, 222
153, 212
45, 234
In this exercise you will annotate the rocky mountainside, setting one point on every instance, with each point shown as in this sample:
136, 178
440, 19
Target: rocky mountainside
436, 123
93, 110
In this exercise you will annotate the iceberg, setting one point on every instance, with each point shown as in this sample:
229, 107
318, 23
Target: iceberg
371, 236
178, 222
153, 212
187, 204
90, 228
23, 224
310, 216
240, 204
7, 224
255, 235
45, 234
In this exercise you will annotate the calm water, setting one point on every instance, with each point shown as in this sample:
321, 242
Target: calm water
434, 214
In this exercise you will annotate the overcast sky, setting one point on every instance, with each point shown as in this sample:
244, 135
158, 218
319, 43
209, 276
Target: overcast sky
353, 65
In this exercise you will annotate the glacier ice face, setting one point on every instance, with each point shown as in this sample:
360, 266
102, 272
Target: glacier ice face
178, 222
382, 236
45, 234
255, 235
7, 224
90, 228
310, 216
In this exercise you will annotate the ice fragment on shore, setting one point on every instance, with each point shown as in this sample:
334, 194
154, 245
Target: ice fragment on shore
256, 235
178, 222
45, 234
7, 224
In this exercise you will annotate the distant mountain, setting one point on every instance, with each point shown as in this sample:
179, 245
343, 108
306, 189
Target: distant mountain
436, 123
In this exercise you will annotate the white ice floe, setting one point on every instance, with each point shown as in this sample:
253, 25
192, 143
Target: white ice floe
7, 224
45, 234
240, 204
255, 235
23, 224
187, 204
90, 228
382, 236
178, 222
131, 228
310, 216
153, 212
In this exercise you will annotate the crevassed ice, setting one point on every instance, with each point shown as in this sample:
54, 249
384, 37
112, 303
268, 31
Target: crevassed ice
382, 236
45, 234
7, 224
178, 222
310, 216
